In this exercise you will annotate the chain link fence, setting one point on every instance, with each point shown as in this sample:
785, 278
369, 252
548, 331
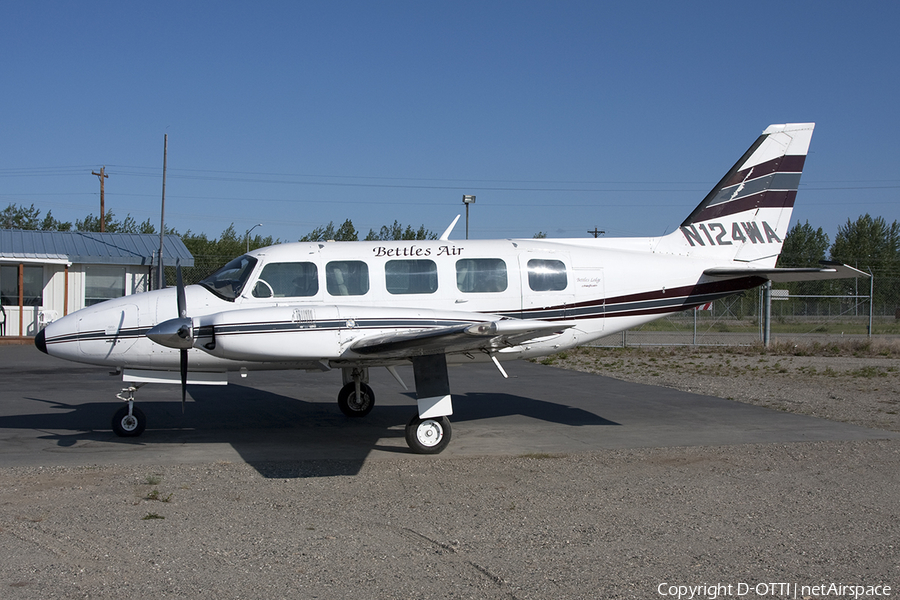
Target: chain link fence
814, 311
204, 266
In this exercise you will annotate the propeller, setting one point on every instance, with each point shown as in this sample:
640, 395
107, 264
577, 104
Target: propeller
177, 333
186, 332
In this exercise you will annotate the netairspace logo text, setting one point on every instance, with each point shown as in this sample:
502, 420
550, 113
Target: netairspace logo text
771, 590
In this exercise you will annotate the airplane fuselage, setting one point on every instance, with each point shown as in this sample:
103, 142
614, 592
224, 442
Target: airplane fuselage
301, 305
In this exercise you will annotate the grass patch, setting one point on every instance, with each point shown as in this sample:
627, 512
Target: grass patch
155, 495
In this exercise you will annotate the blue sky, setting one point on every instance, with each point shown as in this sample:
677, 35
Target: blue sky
559, 116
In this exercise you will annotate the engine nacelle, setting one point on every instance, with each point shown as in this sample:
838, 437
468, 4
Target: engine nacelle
278, 333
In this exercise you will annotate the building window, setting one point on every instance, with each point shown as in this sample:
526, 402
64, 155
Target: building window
33, 292
102, 282
411, 276
347, 278
546, 275
481, 275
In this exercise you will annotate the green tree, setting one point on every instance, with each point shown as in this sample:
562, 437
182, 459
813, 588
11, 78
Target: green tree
804, 246
868, 243
871, 244
111, 225
345, 233
398, 232
29, 218
212, 254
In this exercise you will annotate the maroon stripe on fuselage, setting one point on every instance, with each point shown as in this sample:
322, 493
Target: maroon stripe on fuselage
728, 286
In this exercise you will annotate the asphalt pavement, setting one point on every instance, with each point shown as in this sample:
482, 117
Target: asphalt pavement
58, 413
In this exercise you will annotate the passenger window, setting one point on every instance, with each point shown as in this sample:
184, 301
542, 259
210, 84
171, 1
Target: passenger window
411, 276
287, 280
546, 275
481, 275
347, 278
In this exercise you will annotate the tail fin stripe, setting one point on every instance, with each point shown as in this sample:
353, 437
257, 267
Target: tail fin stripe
784, 164
730, 176
765, 199
778, 182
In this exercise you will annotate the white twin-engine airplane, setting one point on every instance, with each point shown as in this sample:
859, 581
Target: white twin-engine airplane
357, 305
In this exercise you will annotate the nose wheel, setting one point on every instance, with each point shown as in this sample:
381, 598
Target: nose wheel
129, 421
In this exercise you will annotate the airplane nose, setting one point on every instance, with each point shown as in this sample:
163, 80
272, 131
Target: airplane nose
40, 341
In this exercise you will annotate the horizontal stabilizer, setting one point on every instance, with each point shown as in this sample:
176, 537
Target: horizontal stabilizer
489, 336
829, 270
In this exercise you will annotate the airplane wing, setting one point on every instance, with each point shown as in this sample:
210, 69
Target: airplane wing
829, 270
489, 336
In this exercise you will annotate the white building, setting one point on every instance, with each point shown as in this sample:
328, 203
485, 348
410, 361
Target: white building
45, 275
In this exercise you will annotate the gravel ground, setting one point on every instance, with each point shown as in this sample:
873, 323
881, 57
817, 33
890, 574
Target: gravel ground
857, 382
615, 524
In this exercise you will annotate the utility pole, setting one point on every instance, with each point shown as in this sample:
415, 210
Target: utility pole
102, 175
162, 216
597, 232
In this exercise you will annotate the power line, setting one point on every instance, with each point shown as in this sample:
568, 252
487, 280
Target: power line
356, 180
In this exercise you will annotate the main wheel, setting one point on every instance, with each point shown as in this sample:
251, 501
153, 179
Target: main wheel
126, 425
428, 436
353, 405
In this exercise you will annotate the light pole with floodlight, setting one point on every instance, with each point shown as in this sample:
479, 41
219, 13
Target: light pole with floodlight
467, 200
247, 235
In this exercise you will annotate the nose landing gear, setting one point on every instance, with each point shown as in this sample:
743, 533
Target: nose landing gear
129, 421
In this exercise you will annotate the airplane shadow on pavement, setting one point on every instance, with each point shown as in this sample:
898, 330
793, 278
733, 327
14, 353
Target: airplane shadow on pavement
280, 435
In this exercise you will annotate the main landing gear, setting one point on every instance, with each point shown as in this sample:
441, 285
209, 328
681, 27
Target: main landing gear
428, 436
428, 432
356, 398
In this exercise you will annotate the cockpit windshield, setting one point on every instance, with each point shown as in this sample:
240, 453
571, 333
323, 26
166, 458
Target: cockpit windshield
229, 281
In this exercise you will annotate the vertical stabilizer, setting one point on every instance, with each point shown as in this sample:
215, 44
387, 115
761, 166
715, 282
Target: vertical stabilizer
746, 216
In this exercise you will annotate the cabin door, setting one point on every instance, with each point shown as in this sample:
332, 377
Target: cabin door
548, 288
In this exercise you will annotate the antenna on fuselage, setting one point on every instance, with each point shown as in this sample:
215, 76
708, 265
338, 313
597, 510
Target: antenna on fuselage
446, 235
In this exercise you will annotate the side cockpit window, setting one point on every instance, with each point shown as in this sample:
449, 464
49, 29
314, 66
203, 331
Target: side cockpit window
347, 278
481, 275
546, 275
287, 280
229, 281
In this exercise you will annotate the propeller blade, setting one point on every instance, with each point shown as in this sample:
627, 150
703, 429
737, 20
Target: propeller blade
185, 332
184, 372
179, 282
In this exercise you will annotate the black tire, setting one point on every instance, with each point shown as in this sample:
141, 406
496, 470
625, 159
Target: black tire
352, 406
126, 426
428, 436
